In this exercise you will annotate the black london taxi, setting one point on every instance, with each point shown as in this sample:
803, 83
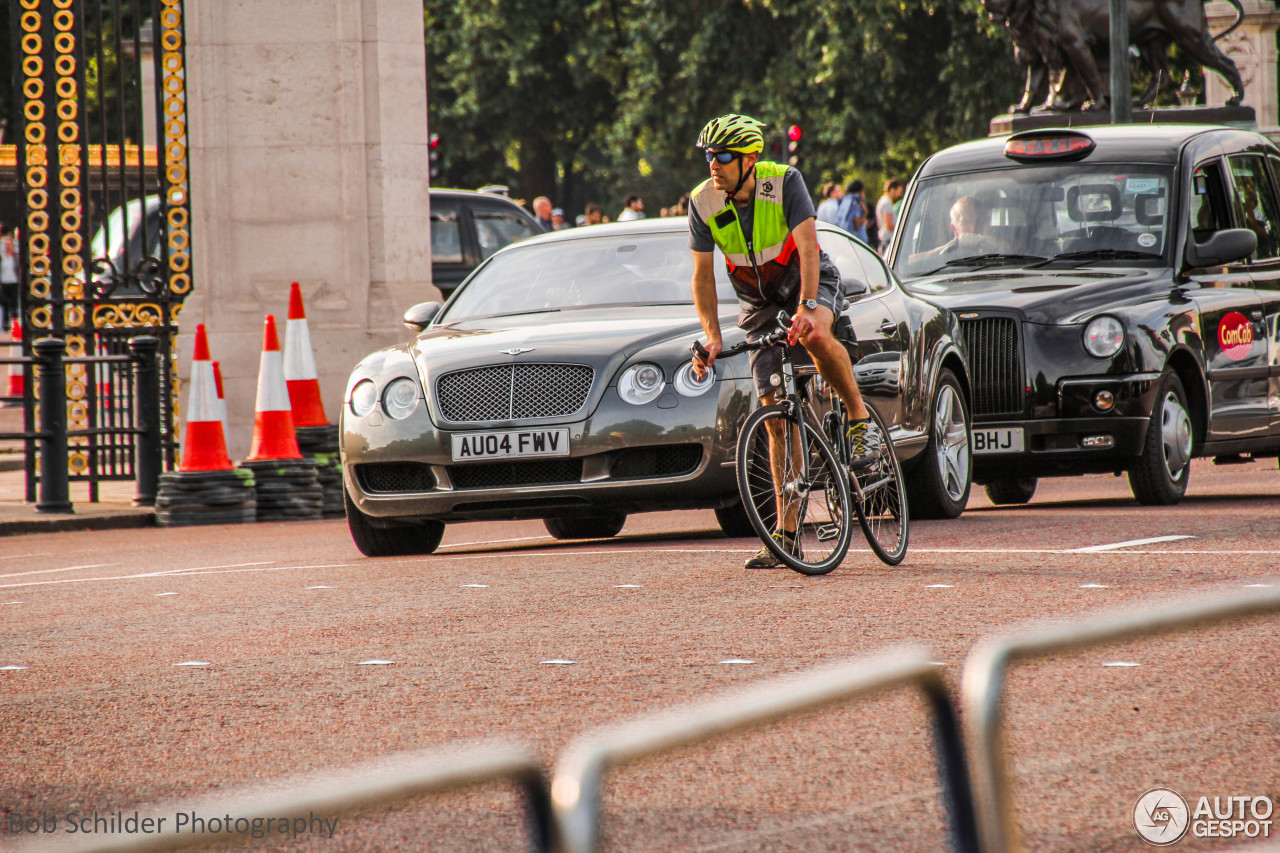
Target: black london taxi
1119, 291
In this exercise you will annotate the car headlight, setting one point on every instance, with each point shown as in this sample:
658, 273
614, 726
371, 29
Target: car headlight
687, 383
1103, 337
400, 398
641, 383
363, 397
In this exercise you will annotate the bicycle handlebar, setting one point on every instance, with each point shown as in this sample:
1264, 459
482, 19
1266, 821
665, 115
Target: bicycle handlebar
772, 339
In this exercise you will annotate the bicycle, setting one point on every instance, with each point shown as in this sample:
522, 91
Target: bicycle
817, 485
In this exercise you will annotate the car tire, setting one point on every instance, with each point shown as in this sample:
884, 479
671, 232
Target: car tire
395, 540
1011, 490
586, 527
938, 485
734, 522
1159, 477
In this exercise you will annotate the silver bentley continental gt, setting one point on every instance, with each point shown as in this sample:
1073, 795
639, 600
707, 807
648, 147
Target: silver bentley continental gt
556, 384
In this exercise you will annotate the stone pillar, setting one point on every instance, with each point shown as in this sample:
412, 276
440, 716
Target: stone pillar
308, 137
1252, 46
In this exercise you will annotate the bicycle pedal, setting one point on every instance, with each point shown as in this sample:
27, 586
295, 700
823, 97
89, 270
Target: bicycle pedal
827, 532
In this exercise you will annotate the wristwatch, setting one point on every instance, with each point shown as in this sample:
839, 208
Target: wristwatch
811, 304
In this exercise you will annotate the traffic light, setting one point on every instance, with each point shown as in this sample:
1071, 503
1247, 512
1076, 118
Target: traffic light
793, 144
433, 155
777, 147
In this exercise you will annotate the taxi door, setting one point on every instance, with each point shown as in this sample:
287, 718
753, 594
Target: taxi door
1266, 279
1230, 312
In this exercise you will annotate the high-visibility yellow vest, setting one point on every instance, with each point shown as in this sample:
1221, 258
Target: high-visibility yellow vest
766, 266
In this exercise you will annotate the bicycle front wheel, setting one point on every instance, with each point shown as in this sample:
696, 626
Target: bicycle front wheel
882, 511
790, 480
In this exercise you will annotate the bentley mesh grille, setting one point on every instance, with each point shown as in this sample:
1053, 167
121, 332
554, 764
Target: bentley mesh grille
497, 475
395, 477
508, 392
994, 365
666, 461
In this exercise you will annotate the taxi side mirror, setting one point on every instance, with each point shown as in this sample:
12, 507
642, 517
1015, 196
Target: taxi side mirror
1222, 247
419, 316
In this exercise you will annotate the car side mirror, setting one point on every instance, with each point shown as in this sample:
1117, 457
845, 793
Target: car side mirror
420, 316
1222, 247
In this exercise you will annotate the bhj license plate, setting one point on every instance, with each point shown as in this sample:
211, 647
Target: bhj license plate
511, 443
1001, 440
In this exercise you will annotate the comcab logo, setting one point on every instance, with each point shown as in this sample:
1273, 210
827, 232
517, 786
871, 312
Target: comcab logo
1235, 336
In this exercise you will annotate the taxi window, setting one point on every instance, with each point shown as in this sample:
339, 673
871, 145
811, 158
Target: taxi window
1255, 204
856, 263
446, 236
1208, 201
496, 228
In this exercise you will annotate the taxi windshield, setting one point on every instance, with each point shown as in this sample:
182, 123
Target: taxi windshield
1066, 213
624, 269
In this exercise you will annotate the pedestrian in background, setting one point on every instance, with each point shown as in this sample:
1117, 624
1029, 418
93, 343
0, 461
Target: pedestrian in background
829, 209
887, 211
593, 214
855, 213
542, 212
557, 220
633, 208
8, 277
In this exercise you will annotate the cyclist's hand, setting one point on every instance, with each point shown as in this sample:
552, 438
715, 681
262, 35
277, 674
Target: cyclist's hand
801, 326
704, 356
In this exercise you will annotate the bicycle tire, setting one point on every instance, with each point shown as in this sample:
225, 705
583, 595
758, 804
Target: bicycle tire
822, 504
882, 512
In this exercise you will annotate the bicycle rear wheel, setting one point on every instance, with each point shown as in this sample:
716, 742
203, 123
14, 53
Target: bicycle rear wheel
813, 499
882, 511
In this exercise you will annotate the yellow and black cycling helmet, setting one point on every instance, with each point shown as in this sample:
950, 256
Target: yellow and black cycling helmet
732, 133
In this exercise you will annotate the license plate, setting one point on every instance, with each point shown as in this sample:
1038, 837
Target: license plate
1001, 440
510, 443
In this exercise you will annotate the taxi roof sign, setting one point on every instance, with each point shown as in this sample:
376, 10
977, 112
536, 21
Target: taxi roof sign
1048, 145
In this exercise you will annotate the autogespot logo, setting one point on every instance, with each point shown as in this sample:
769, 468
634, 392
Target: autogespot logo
1161, 816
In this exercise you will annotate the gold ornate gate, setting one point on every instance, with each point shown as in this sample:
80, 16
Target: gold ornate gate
105, 232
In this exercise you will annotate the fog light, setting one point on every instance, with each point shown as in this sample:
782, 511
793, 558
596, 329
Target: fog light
1098, 441
1103, 401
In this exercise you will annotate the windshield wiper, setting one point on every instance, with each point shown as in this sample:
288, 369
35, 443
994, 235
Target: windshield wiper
1105, 255
986, 260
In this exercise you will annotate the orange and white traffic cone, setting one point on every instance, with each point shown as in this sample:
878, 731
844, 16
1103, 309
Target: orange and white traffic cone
273, 433
222, 401
204, 445
17, 385
300, 366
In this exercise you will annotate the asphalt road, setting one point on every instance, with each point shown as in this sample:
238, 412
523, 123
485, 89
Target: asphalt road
98, 712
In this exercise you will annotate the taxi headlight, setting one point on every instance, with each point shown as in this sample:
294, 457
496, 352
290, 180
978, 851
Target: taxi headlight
686, 381
363, 398
1103, 337
641, 383
400, 398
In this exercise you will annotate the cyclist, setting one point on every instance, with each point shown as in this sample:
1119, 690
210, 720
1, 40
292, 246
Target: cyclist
760, 215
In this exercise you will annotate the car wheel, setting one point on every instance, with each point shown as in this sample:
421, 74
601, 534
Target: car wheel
1159, 477
734, 522
938, 486
1011, 490
586, 527
398, 540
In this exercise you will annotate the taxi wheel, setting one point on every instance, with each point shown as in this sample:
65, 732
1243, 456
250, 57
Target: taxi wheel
1011, 490
734, 522
398, 540
586, 527
1159, 477
938, 486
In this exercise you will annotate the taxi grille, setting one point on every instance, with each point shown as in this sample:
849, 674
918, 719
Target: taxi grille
994, 365
512, 392
498, 475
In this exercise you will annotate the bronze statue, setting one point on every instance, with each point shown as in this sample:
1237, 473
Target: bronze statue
1058, 42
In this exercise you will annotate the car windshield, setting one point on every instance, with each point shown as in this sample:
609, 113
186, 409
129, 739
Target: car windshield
1064, 213
631, 269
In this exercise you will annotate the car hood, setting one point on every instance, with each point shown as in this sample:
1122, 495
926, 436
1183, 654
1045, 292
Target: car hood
1041, 296
604, 338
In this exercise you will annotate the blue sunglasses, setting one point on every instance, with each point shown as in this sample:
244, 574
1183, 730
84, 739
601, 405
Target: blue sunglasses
724, 158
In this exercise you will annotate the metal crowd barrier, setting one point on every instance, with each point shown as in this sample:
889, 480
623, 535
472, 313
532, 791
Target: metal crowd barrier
984, 674
575, 788
383, 783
